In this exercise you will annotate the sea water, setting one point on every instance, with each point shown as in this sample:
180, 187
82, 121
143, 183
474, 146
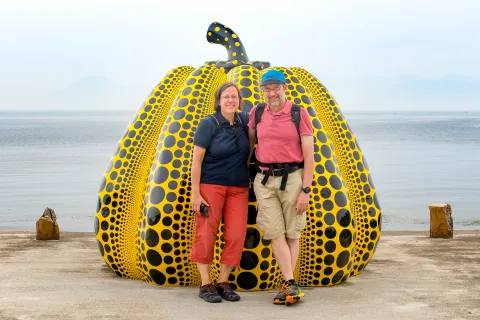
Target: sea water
57, 160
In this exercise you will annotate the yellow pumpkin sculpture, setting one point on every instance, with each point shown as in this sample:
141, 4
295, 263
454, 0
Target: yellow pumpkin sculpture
144, 224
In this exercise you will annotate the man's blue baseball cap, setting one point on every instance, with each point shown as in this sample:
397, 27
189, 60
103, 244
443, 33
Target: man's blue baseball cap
273, 76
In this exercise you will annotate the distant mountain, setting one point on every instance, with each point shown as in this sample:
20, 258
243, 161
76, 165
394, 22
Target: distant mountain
409, 93
89, 93
94, 85
452, 92
452, 86
370, 93
98, 93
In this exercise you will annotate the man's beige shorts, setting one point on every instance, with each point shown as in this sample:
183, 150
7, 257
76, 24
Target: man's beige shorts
277, 213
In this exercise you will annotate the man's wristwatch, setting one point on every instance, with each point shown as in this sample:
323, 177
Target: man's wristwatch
306, 190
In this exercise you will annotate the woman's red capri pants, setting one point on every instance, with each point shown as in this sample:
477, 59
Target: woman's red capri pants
232, 204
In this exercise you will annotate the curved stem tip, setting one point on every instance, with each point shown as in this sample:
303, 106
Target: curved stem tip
219, 33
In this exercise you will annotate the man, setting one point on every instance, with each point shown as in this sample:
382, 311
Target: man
284, 175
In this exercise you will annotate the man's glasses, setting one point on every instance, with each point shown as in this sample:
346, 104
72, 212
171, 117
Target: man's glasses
274, 89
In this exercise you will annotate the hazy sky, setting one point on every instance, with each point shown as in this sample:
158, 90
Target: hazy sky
370, 54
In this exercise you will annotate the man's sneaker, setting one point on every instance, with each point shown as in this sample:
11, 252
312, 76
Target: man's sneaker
292, 293
209, 293
280, 298
226, 292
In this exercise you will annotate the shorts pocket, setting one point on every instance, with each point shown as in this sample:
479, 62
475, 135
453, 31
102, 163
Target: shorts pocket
301, 221
259, 220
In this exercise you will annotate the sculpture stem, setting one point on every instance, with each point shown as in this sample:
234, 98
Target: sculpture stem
218, 33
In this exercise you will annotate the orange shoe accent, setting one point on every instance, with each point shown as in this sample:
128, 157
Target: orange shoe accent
293, 299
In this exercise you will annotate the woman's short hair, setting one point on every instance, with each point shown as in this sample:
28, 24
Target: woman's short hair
220, 90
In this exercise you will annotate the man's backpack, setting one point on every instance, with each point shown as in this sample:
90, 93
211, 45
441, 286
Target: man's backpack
295, 113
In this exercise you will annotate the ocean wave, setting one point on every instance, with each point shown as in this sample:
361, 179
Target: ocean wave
469, 223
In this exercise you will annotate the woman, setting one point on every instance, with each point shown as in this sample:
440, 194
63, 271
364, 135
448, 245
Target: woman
220, 181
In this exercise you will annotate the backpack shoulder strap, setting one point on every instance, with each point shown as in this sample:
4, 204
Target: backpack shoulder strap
258, 113
217, 129
258, 116
244, 122
296, 116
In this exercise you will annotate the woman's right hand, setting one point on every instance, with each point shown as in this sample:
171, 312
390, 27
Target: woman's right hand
197, 200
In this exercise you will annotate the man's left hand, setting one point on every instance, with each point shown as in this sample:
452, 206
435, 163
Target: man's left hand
302, 202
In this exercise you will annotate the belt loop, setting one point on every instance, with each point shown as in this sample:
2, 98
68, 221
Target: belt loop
283, 183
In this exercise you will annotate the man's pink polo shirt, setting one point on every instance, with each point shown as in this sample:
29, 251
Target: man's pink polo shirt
277, 135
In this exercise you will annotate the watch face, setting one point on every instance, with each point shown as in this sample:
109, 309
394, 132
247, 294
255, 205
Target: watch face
306, 190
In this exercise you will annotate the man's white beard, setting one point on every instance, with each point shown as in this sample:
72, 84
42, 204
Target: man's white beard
275, 104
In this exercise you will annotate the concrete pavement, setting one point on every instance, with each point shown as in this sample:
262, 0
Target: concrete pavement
410, 277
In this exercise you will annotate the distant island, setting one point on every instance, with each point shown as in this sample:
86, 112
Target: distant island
408, 92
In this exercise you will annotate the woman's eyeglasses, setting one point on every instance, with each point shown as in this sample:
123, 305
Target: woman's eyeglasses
229, 97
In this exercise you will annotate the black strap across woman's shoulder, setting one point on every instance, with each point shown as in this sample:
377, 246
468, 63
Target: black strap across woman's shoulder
238, 115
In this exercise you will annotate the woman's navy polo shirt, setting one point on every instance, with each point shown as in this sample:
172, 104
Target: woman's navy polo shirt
225, 161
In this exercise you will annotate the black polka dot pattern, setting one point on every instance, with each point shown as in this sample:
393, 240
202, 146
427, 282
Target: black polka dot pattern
167, 220
121, 195
365, 207
248, 80
144, 225
221, 34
